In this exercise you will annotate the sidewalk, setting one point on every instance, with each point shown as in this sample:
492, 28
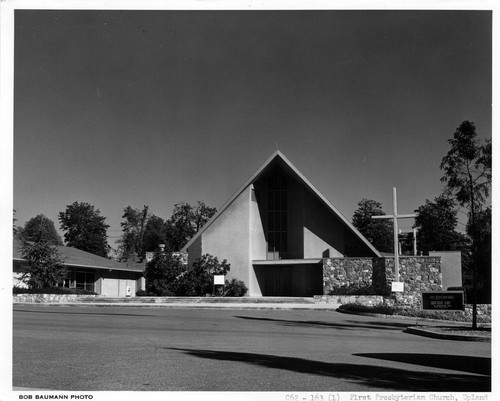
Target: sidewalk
196, 303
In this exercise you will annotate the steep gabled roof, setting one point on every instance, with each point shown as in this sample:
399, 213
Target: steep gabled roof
75, 257
278, 155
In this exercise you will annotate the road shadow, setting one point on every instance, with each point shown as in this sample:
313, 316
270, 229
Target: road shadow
369, 375
353, 325
468, 364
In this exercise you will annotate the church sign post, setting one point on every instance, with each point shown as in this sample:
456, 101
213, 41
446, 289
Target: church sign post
395, 216
218, 280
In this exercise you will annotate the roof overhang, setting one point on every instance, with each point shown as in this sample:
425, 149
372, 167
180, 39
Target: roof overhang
281, 262
83, 266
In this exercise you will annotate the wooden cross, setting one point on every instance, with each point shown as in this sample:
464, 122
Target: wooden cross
395, 216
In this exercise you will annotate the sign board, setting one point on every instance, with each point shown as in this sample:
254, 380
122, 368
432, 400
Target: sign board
219, 280
443, 300
397, 286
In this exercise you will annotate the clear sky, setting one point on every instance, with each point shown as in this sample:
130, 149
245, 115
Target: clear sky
120, 108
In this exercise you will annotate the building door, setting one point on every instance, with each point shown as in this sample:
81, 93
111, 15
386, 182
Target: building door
305, 280
278, 281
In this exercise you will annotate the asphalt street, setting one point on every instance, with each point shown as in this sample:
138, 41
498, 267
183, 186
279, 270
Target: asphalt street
148, 349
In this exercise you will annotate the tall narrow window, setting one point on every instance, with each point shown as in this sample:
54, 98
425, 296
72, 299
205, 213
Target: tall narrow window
277, 214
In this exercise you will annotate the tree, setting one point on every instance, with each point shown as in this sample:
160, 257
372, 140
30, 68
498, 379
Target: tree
467, 168
179, 227
143, 233
483, 232
201, 214
162, 274
44, 264
155, 233
131, 242
40, 228
85, 228
436, 223
378, 232
467, 174
185, 222
15, 229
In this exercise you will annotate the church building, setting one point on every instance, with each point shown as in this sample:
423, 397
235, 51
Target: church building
275, 232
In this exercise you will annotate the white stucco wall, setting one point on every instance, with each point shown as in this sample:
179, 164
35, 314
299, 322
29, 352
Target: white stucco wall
140, 284
451, 268
194, 251
228, 237
109, 287
114, 284
258, 247
315, 247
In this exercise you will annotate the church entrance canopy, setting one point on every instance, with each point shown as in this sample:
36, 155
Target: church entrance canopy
289, 277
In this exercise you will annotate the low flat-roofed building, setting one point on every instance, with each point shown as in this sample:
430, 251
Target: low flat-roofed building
90, 272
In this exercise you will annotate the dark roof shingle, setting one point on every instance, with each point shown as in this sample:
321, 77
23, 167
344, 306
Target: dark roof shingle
77, 257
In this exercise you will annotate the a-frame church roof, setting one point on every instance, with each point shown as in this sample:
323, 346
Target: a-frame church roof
278, 156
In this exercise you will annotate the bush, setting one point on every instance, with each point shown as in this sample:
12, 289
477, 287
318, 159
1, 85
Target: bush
380, 308
52, 290
200, 280
167, 276
162, 274
235, 288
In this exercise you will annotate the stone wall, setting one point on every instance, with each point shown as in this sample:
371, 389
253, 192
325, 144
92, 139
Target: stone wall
44, 298
419, 273
373, 276
344, 276
482, 309
368, 300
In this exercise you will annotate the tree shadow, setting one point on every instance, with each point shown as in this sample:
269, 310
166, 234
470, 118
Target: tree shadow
73, 313
385, 324
369, 375
469, 364
316, 323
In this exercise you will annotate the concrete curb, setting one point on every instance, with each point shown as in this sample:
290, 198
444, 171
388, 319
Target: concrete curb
455, 337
